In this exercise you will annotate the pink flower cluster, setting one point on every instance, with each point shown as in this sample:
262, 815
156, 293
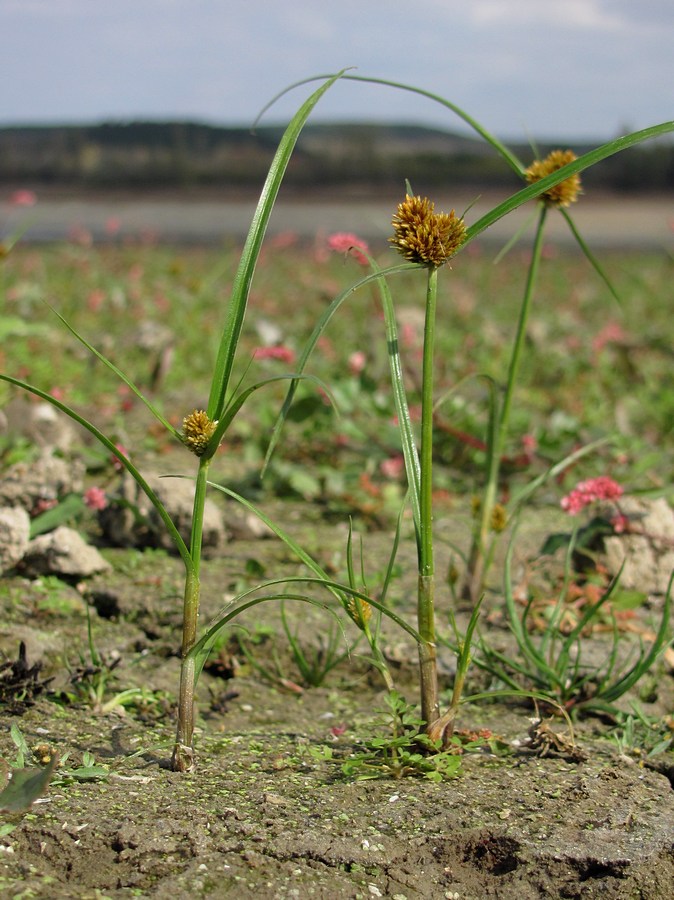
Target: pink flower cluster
95, 498
393, 467
587, 492
23, 197
357, 362
344, 241
611, 333
285, 354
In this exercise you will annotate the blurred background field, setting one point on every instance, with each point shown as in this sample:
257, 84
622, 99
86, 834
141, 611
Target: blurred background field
594, 368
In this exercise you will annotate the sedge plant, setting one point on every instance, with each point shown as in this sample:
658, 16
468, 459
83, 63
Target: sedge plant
491, 516
203, 429
428, 240
553, 664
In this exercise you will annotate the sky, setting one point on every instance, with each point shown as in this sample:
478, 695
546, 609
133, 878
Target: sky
567, 69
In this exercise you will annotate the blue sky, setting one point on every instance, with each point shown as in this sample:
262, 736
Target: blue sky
569, 69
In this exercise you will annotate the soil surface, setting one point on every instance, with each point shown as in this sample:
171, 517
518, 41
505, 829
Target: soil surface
268, 811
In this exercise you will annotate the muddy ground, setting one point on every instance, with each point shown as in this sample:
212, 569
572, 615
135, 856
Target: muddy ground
268, 811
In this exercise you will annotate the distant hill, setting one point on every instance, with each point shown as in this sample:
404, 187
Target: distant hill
369, 156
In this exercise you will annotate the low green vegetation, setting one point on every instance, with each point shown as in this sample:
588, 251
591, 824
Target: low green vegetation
376, 392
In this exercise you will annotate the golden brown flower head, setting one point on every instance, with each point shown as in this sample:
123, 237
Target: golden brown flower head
360, 611
198, 429
498, 518
424, 236
566, 192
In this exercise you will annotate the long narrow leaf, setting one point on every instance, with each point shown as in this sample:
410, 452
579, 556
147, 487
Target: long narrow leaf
290, 542
251, 251
573, 168
118, 372
500, 148
589, 255
517, 625
645, 662
201, 649
309, 347
237, 401
128, 465
409, 447
519, 498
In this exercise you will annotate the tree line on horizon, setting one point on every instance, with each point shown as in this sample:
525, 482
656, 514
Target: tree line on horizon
368, 156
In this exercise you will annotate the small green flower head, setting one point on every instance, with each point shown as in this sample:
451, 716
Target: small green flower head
198, 429
424, 236
566, 192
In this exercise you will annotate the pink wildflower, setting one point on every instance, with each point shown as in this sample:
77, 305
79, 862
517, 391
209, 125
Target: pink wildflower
80, 235
284, 239
415, 414
529, 443
23, 198
285, 354
95, 300
112, 225
116, 462
42, 505
611, 333
409, 335
357, 362
529, 446
95, 498
344, 242
620, 523
392, 467
587, 492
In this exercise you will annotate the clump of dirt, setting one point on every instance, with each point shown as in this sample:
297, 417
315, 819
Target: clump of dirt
266, 815
268, 812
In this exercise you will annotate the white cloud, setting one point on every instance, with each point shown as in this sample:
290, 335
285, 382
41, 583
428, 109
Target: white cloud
571, 14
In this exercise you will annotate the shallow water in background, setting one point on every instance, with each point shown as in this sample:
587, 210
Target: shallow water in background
604, 222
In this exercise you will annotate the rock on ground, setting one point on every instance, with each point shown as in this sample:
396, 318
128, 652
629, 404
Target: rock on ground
14, 535
133, 521
47, 478
41, 423
648, 551
62, 552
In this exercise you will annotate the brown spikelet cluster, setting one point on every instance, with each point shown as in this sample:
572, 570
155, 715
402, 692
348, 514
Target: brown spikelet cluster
424, 236
498, 518
197, 431
566, 192
360, 611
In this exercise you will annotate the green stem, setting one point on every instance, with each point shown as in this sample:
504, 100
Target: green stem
443, 728
476, 563
426, 564
430, 709
515, 358
183, 752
